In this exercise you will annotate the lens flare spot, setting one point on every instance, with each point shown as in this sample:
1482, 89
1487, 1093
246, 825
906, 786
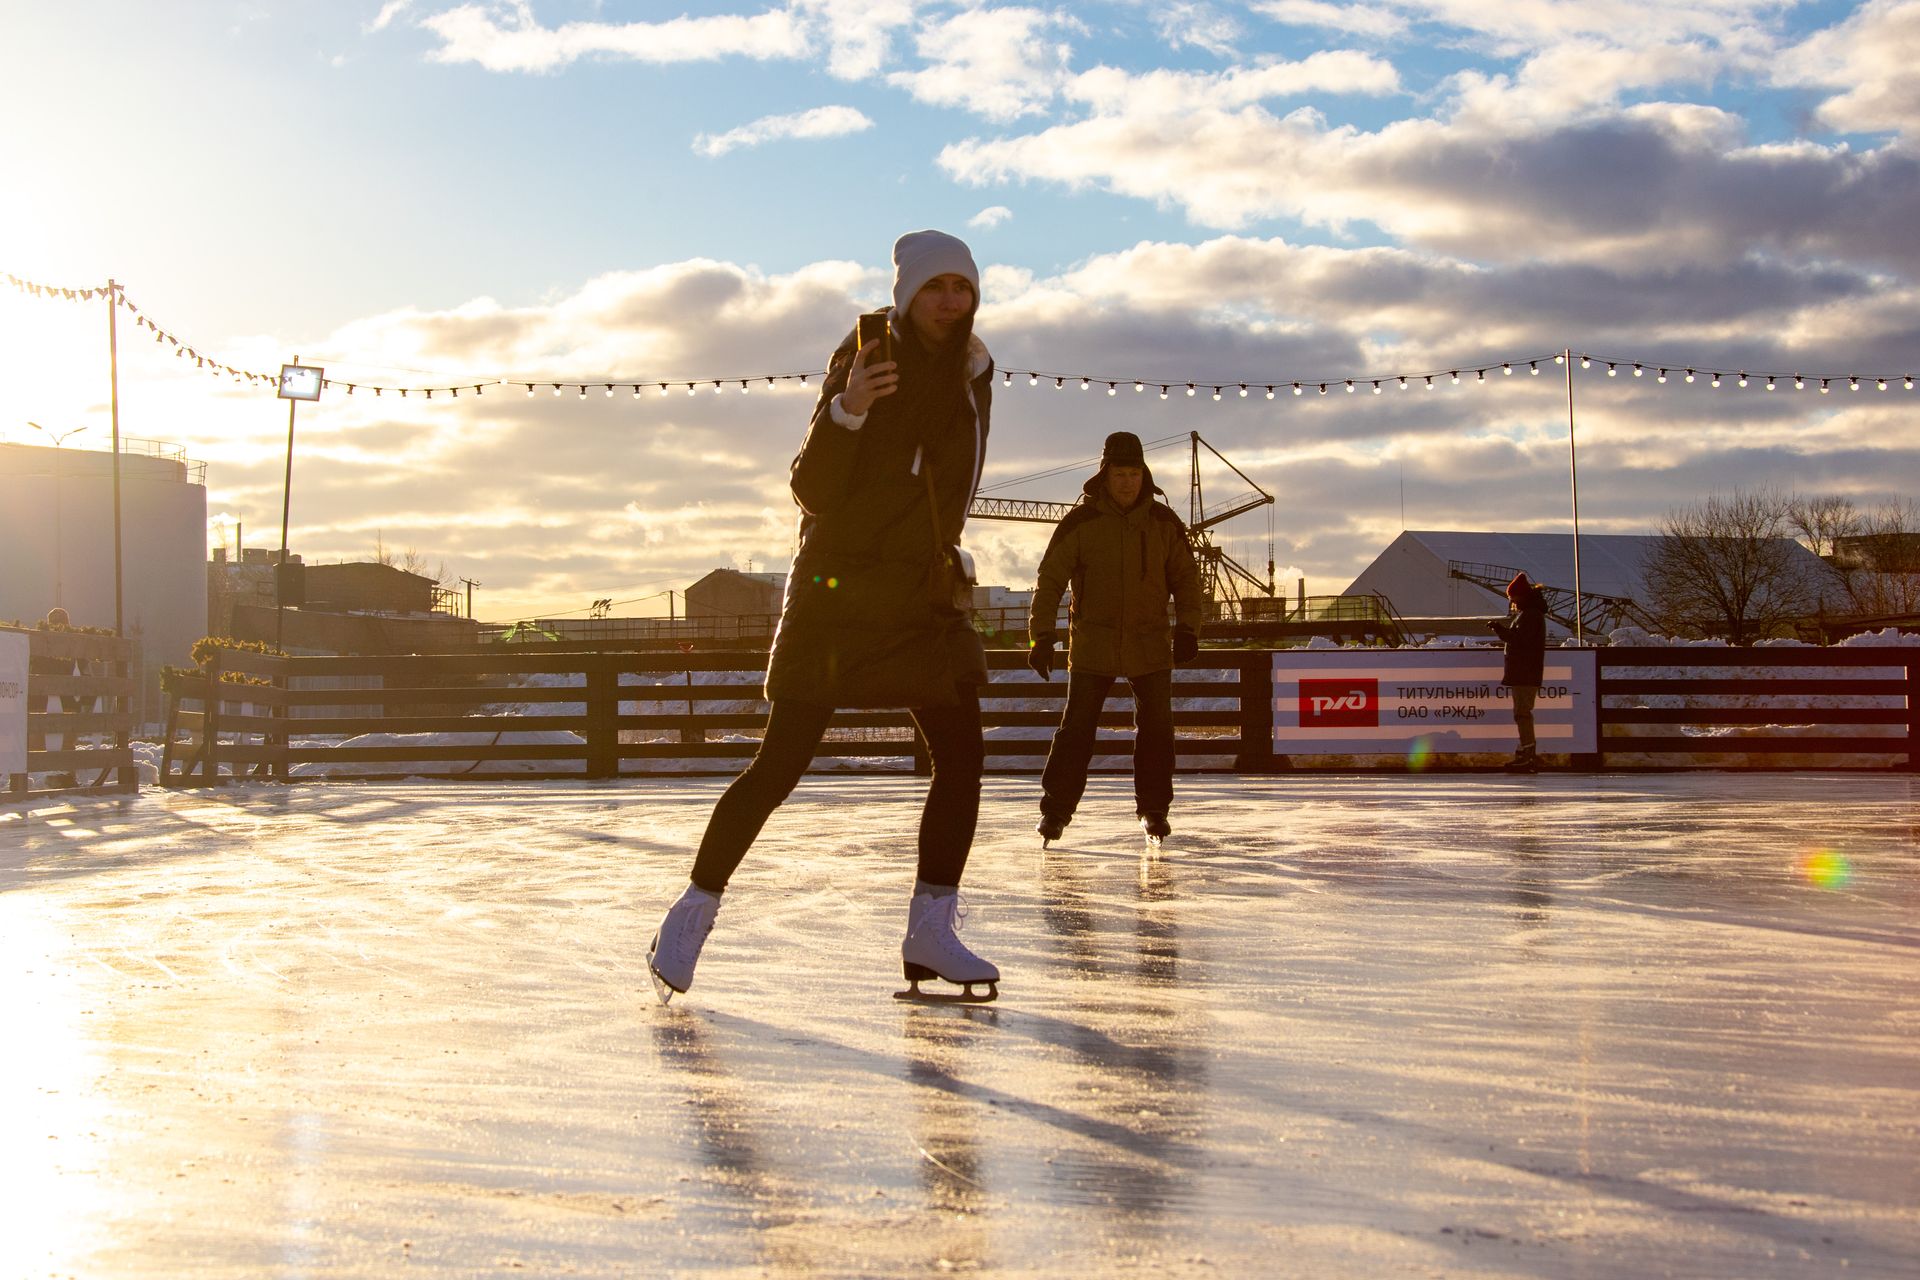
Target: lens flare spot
832, 583
1826, 868
1420, 754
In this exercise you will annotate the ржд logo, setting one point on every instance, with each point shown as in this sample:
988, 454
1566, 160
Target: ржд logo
1340, 704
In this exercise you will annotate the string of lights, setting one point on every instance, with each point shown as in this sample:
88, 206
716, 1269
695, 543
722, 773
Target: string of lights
1269, 388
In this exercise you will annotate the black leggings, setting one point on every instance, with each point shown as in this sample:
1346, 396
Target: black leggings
794, 729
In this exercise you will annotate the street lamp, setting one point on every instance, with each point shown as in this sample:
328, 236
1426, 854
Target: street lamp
59, 472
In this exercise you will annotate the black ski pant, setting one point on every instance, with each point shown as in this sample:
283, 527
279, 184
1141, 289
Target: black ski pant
1065, 778
794, 729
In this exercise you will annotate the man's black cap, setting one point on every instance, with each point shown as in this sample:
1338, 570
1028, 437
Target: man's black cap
1122, 449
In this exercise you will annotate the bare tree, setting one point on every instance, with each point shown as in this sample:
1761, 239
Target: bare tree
1880, 564
1729, 567
1822, 520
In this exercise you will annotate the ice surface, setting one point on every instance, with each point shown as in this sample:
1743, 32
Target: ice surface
1563, 1025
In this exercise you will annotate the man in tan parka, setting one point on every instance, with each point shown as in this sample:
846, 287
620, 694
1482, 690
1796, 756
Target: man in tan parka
1123, 555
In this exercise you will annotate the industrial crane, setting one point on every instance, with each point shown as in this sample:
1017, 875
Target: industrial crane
1225, 580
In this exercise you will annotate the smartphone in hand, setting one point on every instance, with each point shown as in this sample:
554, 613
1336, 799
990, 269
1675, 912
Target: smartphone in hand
872, 325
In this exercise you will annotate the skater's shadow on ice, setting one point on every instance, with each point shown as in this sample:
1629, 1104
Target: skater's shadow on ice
932, 1027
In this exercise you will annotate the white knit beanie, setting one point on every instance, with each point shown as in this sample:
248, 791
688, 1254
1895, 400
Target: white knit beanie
919, 256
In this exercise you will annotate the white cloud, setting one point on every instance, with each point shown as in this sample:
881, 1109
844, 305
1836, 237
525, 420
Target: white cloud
388, 12
1198, 24
859, 33
1000, 63
990, 217
509, 38
819, 122
1873, 55
1356, 19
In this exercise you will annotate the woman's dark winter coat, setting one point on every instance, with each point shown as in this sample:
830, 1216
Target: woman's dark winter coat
1121, 567
1525, 634
870, 618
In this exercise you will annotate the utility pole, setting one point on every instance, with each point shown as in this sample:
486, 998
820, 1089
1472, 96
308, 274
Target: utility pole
297, 382
1573, 474
113, 378
471, 584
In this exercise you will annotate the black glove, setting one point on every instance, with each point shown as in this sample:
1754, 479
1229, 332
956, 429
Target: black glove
1186, 645
1040, 658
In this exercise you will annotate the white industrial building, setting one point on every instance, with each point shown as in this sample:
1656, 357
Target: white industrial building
57, 546
1412, 572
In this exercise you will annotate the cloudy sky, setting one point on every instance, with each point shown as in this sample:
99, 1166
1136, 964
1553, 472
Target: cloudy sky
417, 193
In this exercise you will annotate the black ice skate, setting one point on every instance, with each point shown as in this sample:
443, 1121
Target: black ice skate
1155, 825
1049, 829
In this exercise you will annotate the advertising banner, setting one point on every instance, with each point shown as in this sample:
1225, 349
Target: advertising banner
13, 703
1437, 701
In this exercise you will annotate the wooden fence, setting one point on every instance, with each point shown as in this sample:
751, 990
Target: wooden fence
80, 691
553, 711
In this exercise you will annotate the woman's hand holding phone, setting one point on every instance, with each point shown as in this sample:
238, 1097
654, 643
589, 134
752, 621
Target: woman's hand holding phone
869, 382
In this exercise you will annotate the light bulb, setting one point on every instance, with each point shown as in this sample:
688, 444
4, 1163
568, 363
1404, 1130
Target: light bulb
1743, 377
1216, 393
1662, 376
1689, 375
1112, 390
1007, 381
1612, 372
1059, 384
1297, 390
1533, 367
1349, 386
1715, 382
1163, 393
1190, 388
1269, 393
529, 391
1033, 379
1769, 384
1799, 383
1455, 375
1507, 369
1638, 371
1882, 384
1083, 384
556, 388
583, 391
1585, 363
1139, 386
1376, 388
609, 390
1243, 391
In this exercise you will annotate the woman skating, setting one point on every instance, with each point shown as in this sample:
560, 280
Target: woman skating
875, 612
